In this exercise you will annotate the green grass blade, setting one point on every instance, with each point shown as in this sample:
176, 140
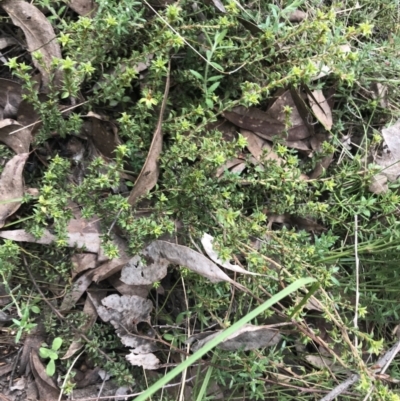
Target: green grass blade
223, 336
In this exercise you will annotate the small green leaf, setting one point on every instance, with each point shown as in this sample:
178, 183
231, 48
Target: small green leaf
196, 74
215, 78
16, 322
51, 368
212, 88
44, 353
35, 309
56, 343
219, 37
216, 65
168, 337
209, 103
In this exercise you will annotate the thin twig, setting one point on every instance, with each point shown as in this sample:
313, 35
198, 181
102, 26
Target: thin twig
357, 278
382, 365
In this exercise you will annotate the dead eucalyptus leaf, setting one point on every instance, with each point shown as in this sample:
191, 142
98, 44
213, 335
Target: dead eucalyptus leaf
12, 186
147, 361
129, 289
91, 313
148, 176
103, 134
219, 6
10, 98
379, 184
184, 256
80, 234
248, 337
321, 166
299, 128
320, 108
390, 160
228, 165
255, 120
39, 35
144, 268
86, 8
48, 391
18, 142
207, 242
76, 291
297, 16
7, 41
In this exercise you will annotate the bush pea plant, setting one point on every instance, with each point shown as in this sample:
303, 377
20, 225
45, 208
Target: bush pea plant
219, 60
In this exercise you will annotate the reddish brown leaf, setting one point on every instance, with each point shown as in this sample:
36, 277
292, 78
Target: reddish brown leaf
39, 36
11, 186
148, 177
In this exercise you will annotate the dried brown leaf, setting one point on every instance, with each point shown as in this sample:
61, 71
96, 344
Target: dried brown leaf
91, 313
299, 128
219, 6
81, 233
10, 98
379, 184
248, 337
7, 41
255, 120
321, 166
320, 108
148, 177
18, 142
207, 242
259, 147
184, 256
390, 160
82, 262
297, 16
76, 291
12, 186
86, 8
147, 361
48, 391
39, 36
103, 135
228, 165
129, 289
154, 268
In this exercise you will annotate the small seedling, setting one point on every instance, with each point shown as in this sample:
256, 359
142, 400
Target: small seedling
51, 353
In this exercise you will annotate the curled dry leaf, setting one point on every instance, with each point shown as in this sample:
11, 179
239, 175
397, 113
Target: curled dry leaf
219, 6
103, 134
147, 361
11, 186
81, 233
299, 115
91, 313
10, 98
248, 337
144, 268
297, 16
259, 147
48, 391
76, 291
160, 253
20, 141
207, 242
228, 165
39, 36
320, 108
86, 8
390, 160
148, 176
